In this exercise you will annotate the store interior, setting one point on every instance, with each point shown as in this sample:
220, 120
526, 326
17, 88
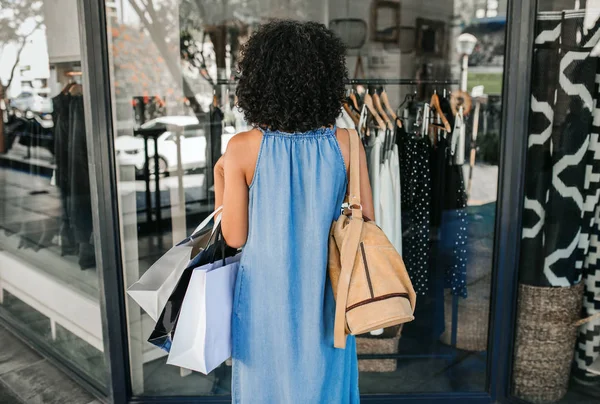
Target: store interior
405, 64
424, 90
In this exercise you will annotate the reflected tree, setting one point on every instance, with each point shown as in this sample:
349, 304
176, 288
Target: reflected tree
19, 19
210, 32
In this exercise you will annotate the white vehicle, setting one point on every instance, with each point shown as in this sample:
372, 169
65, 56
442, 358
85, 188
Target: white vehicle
192, 135
28, 101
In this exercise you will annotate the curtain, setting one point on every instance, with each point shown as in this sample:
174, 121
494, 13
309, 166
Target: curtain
561, 219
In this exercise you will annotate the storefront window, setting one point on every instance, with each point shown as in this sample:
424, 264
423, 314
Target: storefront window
173, 65
48, 278
557, 346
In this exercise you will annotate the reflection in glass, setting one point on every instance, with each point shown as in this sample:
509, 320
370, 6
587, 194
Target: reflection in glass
48, 273
173, 73
559, 272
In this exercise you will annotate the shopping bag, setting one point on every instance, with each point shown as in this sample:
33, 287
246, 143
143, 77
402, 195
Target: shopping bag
155, 286
215, 253
203, 338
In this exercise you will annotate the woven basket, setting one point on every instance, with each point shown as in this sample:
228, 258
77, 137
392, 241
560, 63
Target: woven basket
473, 317
387, 343
545, 342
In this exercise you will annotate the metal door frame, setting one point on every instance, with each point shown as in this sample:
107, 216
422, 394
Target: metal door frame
515, 111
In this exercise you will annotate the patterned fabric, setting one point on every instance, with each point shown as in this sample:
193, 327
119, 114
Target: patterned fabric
588, 341
416, 201
560, 185
587, 349
453, 239
448, 214
560, 242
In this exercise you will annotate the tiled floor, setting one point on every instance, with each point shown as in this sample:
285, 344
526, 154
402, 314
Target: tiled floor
28, 378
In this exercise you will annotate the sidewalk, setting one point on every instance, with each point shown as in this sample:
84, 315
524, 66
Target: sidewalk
28, 378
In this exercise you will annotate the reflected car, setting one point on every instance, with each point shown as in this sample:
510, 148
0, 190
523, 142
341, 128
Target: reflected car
192, 135
27, 101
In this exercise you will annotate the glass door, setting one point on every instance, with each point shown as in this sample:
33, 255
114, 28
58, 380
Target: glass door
49, 276
173, 65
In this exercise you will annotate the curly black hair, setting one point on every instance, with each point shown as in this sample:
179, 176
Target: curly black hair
291, 76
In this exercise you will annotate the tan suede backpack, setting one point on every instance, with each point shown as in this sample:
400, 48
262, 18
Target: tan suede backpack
370, 283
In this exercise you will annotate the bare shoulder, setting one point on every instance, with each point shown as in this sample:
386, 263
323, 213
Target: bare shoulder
344, 142
242, 151
244, 140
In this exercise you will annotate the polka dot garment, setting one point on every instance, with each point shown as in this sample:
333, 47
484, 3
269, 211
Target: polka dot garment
416, 201
454, 232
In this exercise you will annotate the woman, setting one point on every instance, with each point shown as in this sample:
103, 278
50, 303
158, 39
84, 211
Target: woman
281, 186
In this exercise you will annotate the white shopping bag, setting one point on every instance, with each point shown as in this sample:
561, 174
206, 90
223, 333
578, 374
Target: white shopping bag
153, 289
202, 339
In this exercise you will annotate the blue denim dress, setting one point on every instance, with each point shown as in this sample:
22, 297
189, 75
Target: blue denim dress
284, 307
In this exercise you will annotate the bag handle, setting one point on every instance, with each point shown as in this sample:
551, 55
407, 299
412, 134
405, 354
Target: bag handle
208, 219
203, 225
349, 247
354, 180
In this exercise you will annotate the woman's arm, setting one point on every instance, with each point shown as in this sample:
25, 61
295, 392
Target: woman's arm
231, 191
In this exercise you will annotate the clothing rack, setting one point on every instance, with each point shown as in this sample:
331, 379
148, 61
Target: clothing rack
454, 315
400, 82
375, 82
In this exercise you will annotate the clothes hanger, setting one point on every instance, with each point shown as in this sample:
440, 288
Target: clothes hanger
66, 89
434, 103
425, 120
369, 103
76, 89
350, 113
351, 106
362, 122
408, 97
215, 101
456, 141
388, 107
387, 140
353, 100
379, 108
460, 99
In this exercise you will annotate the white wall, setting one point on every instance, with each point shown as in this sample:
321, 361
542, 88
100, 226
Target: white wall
394, 64
62, 30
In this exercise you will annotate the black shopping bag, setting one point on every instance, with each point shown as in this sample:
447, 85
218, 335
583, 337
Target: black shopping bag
163, 333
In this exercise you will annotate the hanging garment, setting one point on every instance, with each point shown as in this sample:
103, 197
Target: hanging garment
453, 233
386, 200
374, 175
284, 306
415, 196
457, 147
559, 245
60, 117
587, 349
397, 199
81, 203
449, 214
560, 191
216, 132
437, 166
344, 121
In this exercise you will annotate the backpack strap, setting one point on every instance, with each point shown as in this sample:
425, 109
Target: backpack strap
350, 244
354, 175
